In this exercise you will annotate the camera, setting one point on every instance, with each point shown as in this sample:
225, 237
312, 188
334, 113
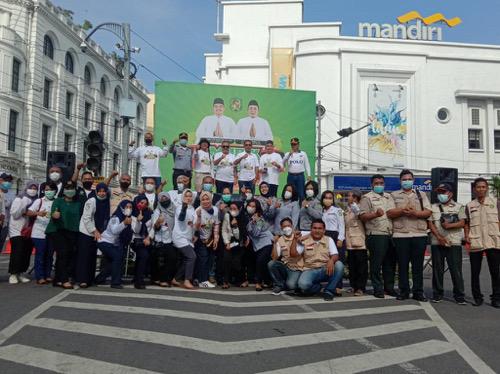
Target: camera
449, 218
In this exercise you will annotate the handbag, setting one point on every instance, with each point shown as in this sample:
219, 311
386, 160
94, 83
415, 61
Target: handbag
28, 226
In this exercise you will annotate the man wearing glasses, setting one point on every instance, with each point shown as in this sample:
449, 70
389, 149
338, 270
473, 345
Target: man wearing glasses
249, 167
224, 172
270, 166
297, 163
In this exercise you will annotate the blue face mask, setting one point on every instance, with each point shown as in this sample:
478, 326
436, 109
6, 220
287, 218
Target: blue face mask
183, 142
443, 198
6, 185
407, 185
207, 187
378, 189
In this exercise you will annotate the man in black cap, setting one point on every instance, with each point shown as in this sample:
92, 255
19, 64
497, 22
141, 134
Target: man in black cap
253, 127
446, 224
183, 154
217, 126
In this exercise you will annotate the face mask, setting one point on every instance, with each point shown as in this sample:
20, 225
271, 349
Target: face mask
149, 187
127, 212
355, 208
124, 185
328, 202
101, 198
165, 204
55, 176
31, 192
234, 213
180, 187
226, 198
50, 195
443, 198
249, 196
69, 193
287, 195
378, 189
287, 231
140, 206
87, 185
407, 185
250, 210
209, 210
207, 187
148, 141
183, 142
6, 185
310, 193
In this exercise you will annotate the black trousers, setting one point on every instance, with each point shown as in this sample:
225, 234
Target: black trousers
476, 260
411, 250
357, 261
232, 262
141, 260
163, 262
453, 257
86, 258
65, 244
177, 172
262, 257
248, 263
20, 254
382, 256
335, 236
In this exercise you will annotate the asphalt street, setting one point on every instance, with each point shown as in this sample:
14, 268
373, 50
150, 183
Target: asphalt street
100, 330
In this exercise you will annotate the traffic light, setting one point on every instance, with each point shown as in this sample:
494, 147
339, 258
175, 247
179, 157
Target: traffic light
95, 151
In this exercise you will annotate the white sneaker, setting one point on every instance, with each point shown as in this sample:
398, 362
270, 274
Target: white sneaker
13, 279
23, 279
207, 284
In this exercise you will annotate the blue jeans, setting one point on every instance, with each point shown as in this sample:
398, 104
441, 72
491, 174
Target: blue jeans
247, 184
113, 266
280, 273
43, 258
299, 181
310, 280
203, 256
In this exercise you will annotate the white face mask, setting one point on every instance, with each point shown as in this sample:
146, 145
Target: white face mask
249, 196
287, 195
234, 213
250, 210
310, 193
127, 212
287, 231
180, 186
31, 192
55, 176
149, 187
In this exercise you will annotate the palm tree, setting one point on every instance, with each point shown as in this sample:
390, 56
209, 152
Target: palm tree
495, 186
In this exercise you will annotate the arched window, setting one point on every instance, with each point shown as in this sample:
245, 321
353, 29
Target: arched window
103, 86
87, 76
48, 47
117, 96
69, 63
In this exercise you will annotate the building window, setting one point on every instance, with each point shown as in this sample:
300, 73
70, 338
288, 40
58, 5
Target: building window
48, 47
68, 63
475, 139
45, 141
86, 114
103, 87
498, 117
138, 139
103, 122
475, 114
443, 115
11, 146
116, 96
84, 153
115, 130
67, 142
46, 93
115, 161
87, 76
497, 140
69, 104
16, 72
138, 115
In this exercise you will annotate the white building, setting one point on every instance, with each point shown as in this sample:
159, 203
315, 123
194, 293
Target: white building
449, 93
52, 94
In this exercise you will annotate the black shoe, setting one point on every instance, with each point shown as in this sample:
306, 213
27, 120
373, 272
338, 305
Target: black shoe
461, 301
392, 293
327, 296
139, 286
402, 296
117, 286
379, 295
477, 302
495, 304
278, 291
421, 298
437, 299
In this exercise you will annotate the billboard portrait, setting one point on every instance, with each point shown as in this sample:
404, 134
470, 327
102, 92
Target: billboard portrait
235, 114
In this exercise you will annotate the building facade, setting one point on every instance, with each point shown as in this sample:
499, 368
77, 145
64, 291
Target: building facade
430, 103
52, 94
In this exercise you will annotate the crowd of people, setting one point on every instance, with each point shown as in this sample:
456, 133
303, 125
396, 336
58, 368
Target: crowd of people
211, 236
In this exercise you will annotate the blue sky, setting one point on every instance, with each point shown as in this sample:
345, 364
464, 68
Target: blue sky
183, 29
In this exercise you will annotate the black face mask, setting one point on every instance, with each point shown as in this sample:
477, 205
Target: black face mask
124, 185
210, 210
87, 185
165, 204
148, 141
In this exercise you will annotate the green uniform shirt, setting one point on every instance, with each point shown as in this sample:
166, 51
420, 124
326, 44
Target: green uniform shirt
70, 216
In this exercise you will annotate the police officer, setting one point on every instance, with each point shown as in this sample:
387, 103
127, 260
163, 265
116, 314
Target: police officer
182, 159
378, 228
483, 234
297, 163
410, 234
446, 224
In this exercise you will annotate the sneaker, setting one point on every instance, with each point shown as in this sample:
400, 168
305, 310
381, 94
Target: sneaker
461, 301
437, 299
379, 295
13, 279
478, 302
23, 279
206, 284
358, 293
420, 298
327, 296
278, 291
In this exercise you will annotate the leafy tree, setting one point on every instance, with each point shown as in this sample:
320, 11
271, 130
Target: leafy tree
87, 25
495, 186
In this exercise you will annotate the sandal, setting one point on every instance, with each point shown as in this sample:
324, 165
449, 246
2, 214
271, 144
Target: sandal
225, 286
67, 286
175, 283
41, 281
244, 284
83, 285
163, 284
258, 287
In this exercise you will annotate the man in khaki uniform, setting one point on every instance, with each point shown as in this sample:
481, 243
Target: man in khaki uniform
378, 228
409, 222
446, 225
482, 232
118, 194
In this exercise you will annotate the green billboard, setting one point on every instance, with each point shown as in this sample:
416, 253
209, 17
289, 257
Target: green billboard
234, 113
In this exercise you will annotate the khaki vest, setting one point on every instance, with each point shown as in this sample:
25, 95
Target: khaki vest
316, 254
354, 231
293, 263
370, 203
454, 236
483, 223
409, 225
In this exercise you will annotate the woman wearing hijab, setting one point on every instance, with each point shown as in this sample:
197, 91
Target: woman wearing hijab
117, 234
286, 207
163, 255
141, 242
94, 220
311, 208
21, 245
267, 202
63, 230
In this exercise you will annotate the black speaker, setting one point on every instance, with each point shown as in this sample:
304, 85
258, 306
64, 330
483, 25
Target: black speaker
65, 160
444, 175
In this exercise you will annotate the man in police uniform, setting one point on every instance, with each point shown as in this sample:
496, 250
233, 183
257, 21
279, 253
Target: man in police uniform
446, 225
217, 126
482, 232
378, 228
253, 127
409, 224
183, 154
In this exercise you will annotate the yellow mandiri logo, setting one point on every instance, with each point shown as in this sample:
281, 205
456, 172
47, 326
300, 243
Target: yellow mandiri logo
438, 17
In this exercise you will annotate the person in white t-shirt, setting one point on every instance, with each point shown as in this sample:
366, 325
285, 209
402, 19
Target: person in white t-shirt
271, 165
253, 126
149, 157
297, 163
217, 126
224, 172
249, 167
203, 163
40, 209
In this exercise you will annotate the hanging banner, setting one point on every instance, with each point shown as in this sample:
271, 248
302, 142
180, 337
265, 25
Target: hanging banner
281, 67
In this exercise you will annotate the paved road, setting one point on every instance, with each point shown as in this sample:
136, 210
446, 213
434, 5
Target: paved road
99, 330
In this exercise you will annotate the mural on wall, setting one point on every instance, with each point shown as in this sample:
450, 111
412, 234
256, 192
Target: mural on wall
387, 132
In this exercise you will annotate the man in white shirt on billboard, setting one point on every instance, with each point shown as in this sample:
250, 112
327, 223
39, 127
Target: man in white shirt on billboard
297, 163
253, 127
216, 126
249, 167
271, 165
149, 157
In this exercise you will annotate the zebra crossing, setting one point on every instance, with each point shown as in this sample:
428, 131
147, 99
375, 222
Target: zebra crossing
234, 331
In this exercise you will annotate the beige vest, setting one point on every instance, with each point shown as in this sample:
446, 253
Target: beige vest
354, 231
293, 263
454, 236
410, 225
316, 254
483, 223
370, 203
